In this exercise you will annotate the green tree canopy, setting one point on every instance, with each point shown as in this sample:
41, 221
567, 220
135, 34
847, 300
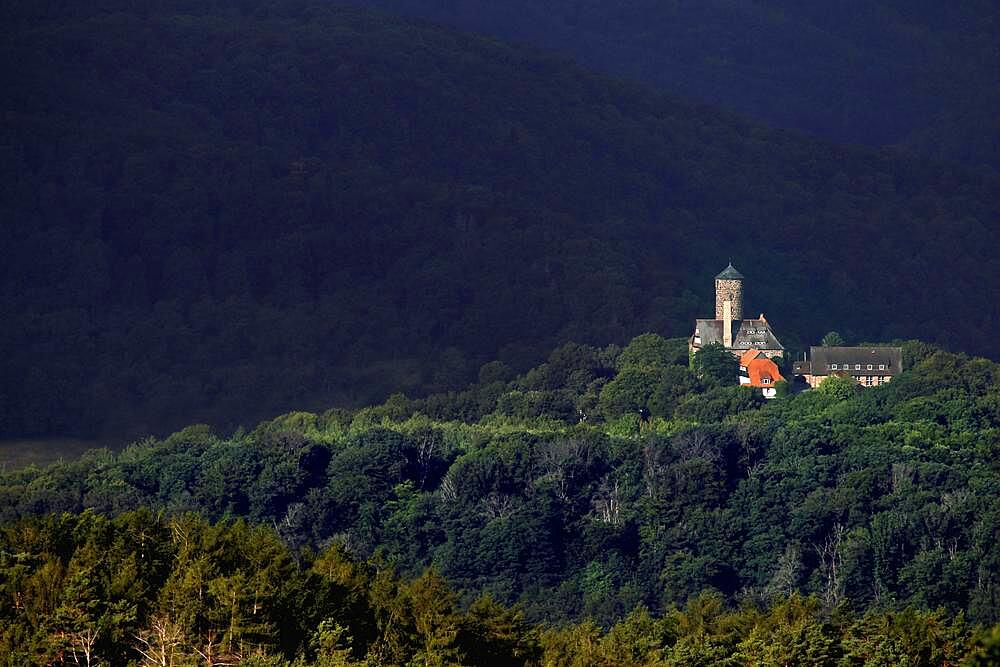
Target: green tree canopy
832, 339
715, 364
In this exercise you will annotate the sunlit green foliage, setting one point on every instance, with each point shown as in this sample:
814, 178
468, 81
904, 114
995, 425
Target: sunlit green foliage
581, 504
143, 589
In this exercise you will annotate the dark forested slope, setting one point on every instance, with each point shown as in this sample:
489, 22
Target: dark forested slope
213, 211
921, 75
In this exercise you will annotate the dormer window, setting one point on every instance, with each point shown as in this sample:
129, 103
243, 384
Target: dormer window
881, 367
765, 381
870, 366
833, 366
857, 367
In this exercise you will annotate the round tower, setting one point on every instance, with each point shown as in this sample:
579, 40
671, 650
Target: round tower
729, 287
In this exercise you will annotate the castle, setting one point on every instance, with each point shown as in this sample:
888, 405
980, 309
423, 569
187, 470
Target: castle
729, 329
755, 344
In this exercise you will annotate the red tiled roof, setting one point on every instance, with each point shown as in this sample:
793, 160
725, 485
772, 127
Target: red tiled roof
748, 356
760, 369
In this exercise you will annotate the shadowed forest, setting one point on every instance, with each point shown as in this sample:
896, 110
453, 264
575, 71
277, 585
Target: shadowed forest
222, 211
921, 76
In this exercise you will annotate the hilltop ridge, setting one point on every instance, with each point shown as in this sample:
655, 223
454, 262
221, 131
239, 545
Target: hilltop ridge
919, 76
606, 478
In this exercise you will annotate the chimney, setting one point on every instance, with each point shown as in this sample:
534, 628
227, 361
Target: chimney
727, 324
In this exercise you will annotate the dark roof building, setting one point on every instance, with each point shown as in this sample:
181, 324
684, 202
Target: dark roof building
869, 366
746, 334
728, 328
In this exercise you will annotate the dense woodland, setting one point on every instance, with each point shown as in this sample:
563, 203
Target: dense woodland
921, 75
215, 211
219, 211
603, 482
142, 590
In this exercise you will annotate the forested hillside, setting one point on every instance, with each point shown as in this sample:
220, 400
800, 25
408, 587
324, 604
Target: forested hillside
923, 76
140, 589
605, 479
218, 211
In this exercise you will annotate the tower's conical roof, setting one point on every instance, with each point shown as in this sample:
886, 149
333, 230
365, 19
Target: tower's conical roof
730, 274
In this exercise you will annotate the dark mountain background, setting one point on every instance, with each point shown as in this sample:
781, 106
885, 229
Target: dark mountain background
218, 211
922, 76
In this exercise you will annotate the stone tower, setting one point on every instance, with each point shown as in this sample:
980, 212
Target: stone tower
729, 287
728, 301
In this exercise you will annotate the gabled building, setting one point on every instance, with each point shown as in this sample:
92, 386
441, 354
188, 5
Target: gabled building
759, 372
869, 366
728, 328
